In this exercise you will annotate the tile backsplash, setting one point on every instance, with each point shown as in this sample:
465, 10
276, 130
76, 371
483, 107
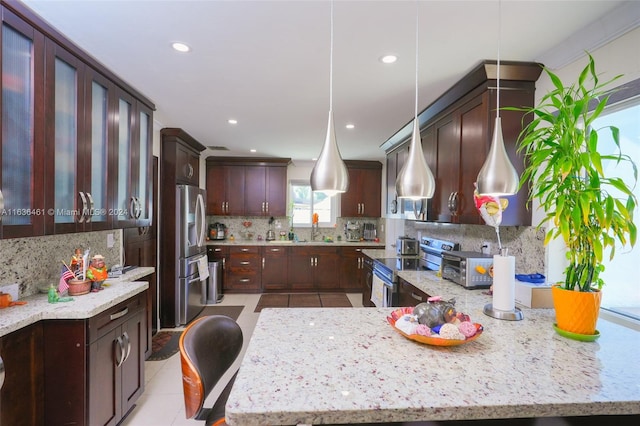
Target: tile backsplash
32, 261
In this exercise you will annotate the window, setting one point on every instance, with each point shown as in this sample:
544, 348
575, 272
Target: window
621, 293
305, 202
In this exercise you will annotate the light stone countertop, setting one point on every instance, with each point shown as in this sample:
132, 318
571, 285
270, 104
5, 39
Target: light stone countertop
81, 307
348, 365
241, 242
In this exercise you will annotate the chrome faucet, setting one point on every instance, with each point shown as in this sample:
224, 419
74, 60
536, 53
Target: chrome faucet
314, 231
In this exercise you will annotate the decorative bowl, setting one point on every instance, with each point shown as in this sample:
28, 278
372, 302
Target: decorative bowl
79, 287
433, 340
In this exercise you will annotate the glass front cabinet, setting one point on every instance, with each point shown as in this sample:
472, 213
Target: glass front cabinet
76, 145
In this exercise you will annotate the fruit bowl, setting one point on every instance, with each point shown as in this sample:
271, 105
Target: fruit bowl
434, 339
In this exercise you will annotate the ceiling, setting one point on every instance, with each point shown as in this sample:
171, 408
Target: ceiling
266, 63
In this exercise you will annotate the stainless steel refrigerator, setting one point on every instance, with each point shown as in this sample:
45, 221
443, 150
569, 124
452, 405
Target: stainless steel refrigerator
192, 267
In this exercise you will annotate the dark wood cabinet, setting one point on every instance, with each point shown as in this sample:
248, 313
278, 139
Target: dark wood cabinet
456, 135
95, 367
22, 143
313, 268
243, 270
274, 268
363, 198
22, 393
240, 186
351, 268
187, 165
409, 295
76, 139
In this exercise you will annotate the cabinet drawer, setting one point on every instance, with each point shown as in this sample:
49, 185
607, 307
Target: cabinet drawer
244, 250
249, 262
115, 316
410, 295
239, 281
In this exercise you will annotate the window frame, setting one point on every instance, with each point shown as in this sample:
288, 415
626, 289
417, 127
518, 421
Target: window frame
335, 205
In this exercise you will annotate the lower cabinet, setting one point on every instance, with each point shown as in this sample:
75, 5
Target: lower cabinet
95, 367
21, 392
409, 295
313, 268
274, 269
243, 271
351, 268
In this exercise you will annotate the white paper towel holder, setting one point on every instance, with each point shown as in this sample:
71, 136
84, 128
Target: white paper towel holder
511, 315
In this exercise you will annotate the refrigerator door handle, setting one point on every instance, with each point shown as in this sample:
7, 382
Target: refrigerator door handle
200, 219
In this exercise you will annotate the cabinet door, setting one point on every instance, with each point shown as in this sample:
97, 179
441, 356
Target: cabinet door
325, 269
276, 191
123, 160
274, 268
105, 386
187, 166
300, 269
216, 190
22, 394
350, 201
95, 165
134, 336
64, 150
255, 186
351, 265
22, 144
142, 194
447, 181
371, 184
234, 191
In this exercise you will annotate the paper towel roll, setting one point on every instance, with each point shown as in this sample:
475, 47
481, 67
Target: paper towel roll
504, 282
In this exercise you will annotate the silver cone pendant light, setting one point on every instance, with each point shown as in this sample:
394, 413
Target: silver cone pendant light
330, 174
497, 176
415, 181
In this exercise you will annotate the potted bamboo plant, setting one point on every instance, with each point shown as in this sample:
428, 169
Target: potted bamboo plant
590, 211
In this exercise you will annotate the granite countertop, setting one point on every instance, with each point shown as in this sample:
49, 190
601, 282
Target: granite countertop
81, 307
241, 242
348, 365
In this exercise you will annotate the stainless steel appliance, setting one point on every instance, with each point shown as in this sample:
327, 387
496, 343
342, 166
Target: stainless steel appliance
431, 252
192, 269
470, 269
353, 231
369, 232
384, 288
406, 246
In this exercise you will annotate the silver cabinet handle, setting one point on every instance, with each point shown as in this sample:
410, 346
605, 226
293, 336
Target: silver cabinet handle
245, 280
263, 207
362, 212
188, 170
311, 262
415, 296
132, 204
263, 263
83, 211
127, 342
120, 358
217, 249
120, 314
1, 360
244, 262
266, 210
274, 249
224, 262
91, 206
244, 249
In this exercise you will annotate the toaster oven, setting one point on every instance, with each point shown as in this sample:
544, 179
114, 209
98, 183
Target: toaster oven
470, 269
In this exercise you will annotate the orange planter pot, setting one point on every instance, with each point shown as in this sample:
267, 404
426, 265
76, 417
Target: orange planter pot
576, 311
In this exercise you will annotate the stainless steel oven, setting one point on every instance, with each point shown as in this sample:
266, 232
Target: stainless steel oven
384, 288
431, 250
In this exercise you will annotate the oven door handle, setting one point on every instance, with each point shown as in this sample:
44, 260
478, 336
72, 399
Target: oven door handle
384, 279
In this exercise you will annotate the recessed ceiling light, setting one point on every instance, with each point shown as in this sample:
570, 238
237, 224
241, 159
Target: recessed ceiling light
388, 59
232, 121
180, 47
252, 150
349, 126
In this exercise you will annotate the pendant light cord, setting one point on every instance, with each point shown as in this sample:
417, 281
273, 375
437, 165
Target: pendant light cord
416, 106
331, 63
498, 61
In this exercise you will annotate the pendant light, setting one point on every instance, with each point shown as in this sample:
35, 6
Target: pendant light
330, 174
497, 176
415, 180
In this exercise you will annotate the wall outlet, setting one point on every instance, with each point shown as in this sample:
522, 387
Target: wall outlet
12, 289
110, 241
485, 247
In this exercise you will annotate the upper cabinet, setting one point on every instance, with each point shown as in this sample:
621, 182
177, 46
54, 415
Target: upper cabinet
22, 155
76, 140
456, 132
245, 186
362, 199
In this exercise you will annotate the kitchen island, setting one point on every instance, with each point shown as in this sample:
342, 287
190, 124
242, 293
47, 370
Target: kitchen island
348, 365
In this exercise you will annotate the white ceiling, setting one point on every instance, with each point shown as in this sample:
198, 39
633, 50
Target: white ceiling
266, 63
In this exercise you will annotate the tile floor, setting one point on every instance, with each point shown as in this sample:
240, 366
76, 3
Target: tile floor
161, 404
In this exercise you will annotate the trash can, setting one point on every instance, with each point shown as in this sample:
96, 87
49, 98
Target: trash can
214, 284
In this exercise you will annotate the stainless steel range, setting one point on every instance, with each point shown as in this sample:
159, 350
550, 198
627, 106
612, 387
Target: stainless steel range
431, 252
384, 288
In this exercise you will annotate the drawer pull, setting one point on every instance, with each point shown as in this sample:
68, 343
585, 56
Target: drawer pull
244, 249
415, 296
244, 280
245, 263
120, 314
